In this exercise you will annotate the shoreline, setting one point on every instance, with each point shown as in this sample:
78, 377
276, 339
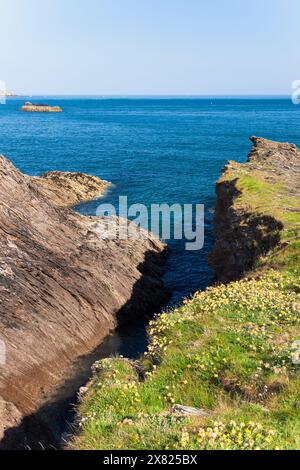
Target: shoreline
213, 356
257, 232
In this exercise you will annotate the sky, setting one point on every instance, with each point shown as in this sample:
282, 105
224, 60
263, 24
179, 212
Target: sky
150, 47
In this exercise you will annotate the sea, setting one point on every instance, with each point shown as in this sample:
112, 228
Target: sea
154, 150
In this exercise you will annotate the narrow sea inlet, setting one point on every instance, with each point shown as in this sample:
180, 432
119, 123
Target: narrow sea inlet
153, 151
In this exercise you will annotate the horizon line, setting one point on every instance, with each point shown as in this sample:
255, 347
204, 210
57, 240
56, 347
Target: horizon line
118, 95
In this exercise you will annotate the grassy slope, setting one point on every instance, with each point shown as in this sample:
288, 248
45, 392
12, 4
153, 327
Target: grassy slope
227, 350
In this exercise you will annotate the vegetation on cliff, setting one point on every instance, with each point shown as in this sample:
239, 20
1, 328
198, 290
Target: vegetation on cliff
228, 351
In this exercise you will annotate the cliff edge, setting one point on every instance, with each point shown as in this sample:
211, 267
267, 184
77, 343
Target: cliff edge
256, 202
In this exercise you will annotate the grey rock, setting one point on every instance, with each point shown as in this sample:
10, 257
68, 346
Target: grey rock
189, 411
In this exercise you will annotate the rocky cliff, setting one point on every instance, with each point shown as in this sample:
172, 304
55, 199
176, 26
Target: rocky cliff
68, 189
252, 200
62, 286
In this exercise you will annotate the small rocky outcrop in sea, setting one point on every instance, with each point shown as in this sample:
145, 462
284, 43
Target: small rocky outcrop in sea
68, 189
242, 234
40, 108
62, 286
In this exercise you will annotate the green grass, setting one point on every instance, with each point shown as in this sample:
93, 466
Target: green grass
227, 350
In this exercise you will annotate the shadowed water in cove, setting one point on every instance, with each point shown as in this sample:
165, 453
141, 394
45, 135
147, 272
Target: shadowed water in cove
59, 412
50, 425
153, 151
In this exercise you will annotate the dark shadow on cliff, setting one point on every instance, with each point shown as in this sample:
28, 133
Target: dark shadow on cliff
241, 237
45, 428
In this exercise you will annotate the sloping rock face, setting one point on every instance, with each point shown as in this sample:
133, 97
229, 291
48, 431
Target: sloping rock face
68, 189
10, 417
62, 287
243, 234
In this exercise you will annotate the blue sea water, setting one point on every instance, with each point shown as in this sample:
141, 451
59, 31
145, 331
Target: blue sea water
152, 150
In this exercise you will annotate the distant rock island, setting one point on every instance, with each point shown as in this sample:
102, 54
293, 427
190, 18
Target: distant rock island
7, 94
40, 108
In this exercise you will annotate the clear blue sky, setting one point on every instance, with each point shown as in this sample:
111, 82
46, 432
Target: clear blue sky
150, 46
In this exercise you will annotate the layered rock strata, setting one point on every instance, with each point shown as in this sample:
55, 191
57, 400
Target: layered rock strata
62, 284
